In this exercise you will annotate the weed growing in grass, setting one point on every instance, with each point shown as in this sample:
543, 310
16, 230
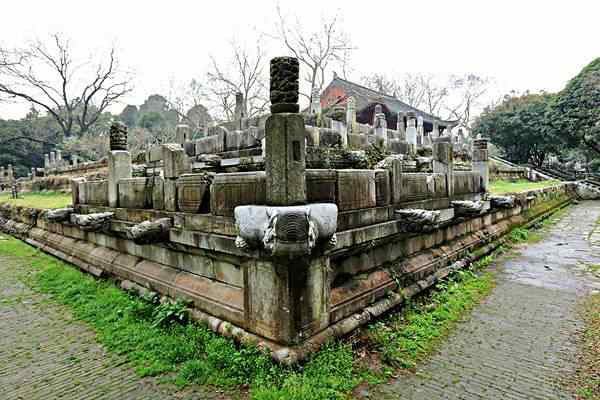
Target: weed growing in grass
405, 338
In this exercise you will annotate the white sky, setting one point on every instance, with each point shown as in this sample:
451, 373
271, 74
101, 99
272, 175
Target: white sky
523, 44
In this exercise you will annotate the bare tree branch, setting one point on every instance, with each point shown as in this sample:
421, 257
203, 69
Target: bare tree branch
317, 50
45, 74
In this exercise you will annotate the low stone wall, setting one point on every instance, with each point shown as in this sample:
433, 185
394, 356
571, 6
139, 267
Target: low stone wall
254, 296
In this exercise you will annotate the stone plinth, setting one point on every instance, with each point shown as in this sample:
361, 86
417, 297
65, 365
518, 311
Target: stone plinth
228, 191
356, 189
136, 193
321, 185
285, 159
119, 167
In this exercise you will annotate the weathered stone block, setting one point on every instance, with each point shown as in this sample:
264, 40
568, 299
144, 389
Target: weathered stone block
174, 159
170, 195
158, 193
95, 193
193, 193
383, 193
119, 167
136, 192
231, 190
285, 160
321, 185
356, 189
75, 190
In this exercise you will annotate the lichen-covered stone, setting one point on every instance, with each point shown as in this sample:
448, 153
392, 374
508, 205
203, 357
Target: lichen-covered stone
150, 231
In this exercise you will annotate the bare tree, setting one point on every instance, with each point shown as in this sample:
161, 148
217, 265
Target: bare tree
469, 91
317, 50
188, 100
243, 73
74, 93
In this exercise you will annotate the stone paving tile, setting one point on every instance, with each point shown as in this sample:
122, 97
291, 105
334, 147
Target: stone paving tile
46, 354
520, 341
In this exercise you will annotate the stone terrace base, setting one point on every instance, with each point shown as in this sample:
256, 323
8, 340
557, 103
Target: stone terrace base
243, 294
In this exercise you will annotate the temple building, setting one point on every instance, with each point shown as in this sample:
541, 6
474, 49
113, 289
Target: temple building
339, 90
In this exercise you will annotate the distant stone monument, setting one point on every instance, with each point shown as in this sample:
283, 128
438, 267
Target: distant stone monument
315, 101
380, 126
285, 145
411, 131
240, 112
351, 115
119, 161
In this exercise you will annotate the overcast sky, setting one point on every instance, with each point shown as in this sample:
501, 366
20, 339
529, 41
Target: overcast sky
526, 44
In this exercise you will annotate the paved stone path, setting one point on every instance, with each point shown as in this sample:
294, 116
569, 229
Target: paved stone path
46, 354
519, 342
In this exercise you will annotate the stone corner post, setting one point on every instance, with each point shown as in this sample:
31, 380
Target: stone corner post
481, 162
411, 132
443, 161
119, 162
287, 296
285, 146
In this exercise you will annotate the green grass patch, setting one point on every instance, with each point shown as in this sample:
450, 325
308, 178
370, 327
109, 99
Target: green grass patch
39, 199
503, 187
405, 338
586, 380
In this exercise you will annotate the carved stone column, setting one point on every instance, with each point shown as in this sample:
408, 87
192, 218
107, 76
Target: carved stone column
285, 145
119, 162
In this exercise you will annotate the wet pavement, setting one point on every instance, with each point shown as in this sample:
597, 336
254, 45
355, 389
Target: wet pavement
520, 341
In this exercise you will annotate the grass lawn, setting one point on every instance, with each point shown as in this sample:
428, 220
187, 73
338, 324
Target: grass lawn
502, 187
39, 199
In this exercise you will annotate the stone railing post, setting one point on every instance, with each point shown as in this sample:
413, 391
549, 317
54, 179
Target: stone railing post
46, 161
351, 115
443, 161
52, 159
411, 132
380, 127
400, 125
119, 162
481, 162
285, 147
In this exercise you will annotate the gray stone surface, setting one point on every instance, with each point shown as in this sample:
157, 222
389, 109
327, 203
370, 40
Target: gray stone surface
119, 167
520, 341
286, 230
285, 160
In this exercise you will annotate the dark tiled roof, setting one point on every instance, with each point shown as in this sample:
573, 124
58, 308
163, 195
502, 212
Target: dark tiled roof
365, 97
